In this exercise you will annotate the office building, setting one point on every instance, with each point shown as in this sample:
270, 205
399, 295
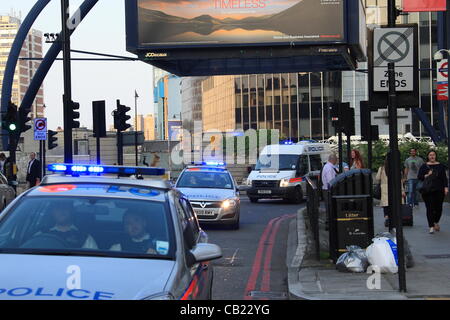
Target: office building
25, 69
167, 99
146, 124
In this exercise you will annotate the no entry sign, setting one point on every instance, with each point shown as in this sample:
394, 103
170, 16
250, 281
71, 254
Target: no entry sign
40, 129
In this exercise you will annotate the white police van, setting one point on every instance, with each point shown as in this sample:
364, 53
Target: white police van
281, 169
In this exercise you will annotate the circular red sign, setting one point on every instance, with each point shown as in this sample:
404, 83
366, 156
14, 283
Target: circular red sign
40, 124
444, 66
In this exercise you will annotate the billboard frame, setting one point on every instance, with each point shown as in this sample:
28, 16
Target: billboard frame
254, 58
131, 9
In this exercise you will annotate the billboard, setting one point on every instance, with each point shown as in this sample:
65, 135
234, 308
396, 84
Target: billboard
186, 23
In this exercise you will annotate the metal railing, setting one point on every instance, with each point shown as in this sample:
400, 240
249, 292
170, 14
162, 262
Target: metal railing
312, 206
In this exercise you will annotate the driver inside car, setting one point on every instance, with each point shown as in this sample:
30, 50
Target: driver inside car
65, 229
137, 238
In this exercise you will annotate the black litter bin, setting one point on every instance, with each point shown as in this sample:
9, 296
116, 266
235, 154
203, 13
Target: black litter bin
350, 211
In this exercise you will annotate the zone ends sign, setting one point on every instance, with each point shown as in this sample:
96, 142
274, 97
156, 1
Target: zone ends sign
394, 45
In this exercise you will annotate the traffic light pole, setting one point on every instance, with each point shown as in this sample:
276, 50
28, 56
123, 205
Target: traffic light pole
395, 194
67, 97
119, 148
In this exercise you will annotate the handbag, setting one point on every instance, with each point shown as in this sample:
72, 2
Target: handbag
377, 191
427, 186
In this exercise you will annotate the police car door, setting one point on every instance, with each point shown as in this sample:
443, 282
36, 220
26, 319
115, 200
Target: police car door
200, 274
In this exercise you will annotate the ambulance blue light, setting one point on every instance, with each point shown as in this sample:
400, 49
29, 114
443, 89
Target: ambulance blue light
77, 169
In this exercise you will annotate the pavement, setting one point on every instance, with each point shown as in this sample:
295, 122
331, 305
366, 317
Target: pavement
429, 278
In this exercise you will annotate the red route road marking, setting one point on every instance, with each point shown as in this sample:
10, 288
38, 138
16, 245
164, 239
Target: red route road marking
251, 284
271, 230
265, 285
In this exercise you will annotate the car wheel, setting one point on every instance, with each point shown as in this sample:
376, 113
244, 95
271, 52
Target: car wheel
253, 200
235, 226
298, 196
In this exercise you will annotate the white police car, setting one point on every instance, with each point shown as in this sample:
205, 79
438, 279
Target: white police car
212, 192
103, 238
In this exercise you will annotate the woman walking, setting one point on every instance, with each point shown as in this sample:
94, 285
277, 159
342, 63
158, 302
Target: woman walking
356, 162
382, 179
434, 189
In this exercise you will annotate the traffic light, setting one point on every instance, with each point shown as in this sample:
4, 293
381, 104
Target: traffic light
98, 112
52, 139
335, 116
75, 116
343, 118
349, 120
121, 117
9, 121
23, 119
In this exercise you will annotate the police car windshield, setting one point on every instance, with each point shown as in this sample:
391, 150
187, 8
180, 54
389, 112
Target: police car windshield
112, 227
280, 162
203, 179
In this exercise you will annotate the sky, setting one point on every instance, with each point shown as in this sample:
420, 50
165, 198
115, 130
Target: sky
103, 30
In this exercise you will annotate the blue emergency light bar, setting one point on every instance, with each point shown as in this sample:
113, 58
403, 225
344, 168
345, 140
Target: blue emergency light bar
210, 163
81, 169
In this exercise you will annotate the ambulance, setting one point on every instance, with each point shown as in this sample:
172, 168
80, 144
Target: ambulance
281, 170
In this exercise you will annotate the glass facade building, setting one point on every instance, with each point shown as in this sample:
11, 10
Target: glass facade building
293, 103
297, 104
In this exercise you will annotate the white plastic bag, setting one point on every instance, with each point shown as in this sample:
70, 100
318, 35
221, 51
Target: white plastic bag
383, 254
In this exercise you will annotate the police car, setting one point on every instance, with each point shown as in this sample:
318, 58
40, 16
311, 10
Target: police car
93, 237
212, 192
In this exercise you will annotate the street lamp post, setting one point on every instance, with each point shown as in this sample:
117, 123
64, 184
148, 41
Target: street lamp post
438, 56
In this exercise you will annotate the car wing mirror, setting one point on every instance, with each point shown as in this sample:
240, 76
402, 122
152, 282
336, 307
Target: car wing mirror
206, 252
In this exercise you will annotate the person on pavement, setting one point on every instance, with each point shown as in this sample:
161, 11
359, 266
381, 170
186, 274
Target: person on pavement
356, 162
34, 171
412, 166
435, 188
382, 179
329, 172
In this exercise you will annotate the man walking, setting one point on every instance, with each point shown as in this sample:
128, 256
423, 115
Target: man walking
34, 175
328, 174
412, 166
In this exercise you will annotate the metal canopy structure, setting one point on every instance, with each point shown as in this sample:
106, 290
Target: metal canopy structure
198, 62
322, 38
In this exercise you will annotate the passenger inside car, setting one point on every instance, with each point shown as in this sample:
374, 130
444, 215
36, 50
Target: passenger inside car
137, 237
64, 227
